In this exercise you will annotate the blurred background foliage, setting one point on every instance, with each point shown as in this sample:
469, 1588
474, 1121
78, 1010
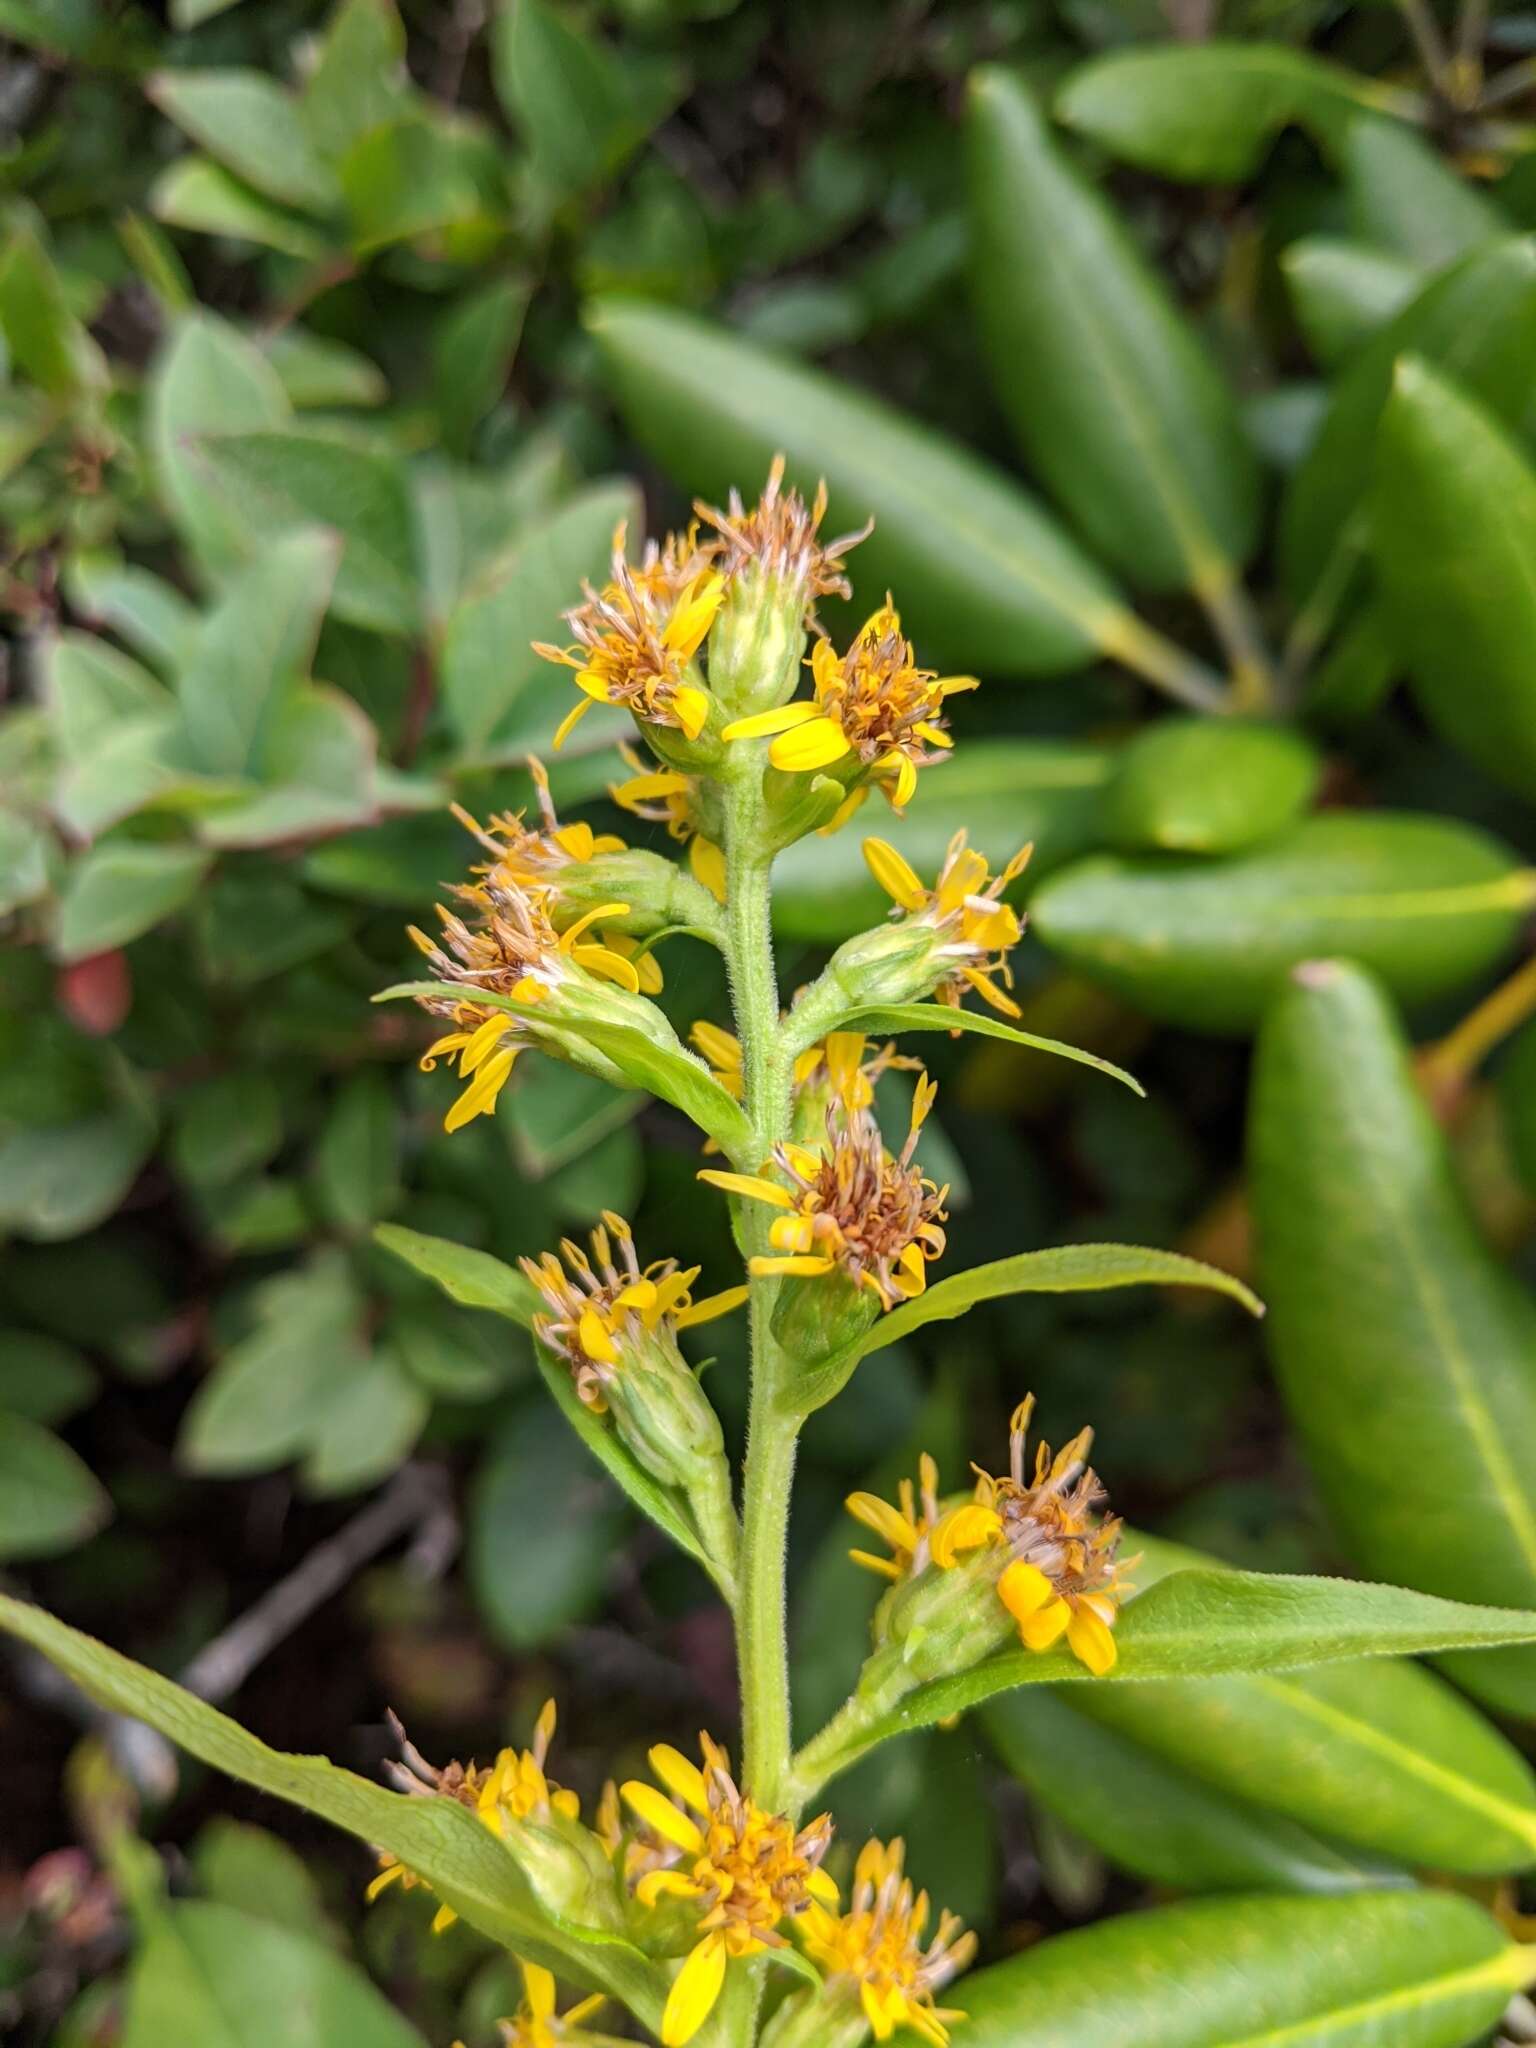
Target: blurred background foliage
1169, 342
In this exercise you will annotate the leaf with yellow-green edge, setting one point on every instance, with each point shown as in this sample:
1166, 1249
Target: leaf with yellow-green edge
888, 1017
1058, 1269
472, 1278
668, 1071
463, 1862
1193, 1624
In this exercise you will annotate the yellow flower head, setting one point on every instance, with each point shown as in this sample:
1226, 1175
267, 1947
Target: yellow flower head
852, 1207
873, 703
975, 928
599, 1311
741, 1870
779, 537
877, 1946
634, 641
510, 949
836, 1063
532, 856
536, 2024
515, 1787
668, 797
1053, 1565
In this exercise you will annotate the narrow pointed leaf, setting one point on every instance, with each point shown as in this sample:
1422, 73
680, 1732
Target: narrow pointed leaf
472, 1278
886, 1017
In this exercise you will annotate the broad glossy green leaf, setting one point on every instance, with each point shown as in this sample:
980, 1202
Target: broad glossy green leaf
196, 193
879, 1018
1344, 291
1153, 1818
1061, 1269
489, 676
1477, 322
1120, 412
1206, 785
49, 1498
463, 1862
473, 1278
226, 1979
252, 126
1428, 903
1380, 1754
359, 81
1414, 1969
119, 890
1404, 196
984, 577
288, 483
1208, 112
208, 380
1453, 530
1406, 1353
667, 1070
1212, 1624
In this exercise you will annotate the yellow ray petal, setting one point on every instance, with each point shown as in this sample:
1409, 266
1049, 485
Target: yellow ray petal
713, 1305
569, 723
692, 708
659, 1814
539, 1989
815, 744
797, 1263
1024, 1589
963, 1528
680, 1776
781, 719
1046, 1626
694, 1991
1091, 1640
749, 1185
707, 864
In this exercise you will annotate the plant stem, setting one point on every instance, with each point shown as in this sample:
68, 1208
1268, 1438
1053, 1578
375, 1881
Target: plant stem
761, 1641
1168, 668
1230, 611
1464, 1049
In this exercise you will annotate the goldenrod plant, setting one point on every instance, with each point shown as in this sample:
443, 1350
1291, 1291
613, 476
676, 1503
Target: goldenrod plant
713, 1901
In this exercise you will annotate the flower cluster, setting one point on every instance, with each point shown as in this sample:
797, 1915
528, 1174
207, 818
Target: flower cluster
779, 539
666, 796
1035, 1536
852, 1207
973, 928
742, 1871
877, 1949
537, 2024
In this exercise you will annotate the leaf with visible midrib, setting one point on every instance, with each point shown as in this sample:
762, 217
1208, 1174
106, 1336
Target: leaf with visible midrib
462, 1861
1407, 1355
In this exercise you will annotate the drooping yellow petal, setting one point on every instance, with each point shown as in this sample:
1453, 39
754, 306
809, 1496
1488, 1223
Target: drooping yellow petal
897, 1529
791, 1234
586, 2009
666, 1884
479, 1098
712, 1305
539, 1991
570, 721
721, 1048
963, 1528
781, 719
887, 1567
990, 993
751, 1185
692, 708
1024, 1589
658, 1813
1091, 1640
815, 744
608, 966
707, 864
680, 1776
797, 1263
1046, 1626
443, 1919
694, 1991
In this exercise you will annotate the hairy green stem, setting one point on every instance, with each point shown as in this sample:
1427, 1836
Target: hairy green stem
761, 1642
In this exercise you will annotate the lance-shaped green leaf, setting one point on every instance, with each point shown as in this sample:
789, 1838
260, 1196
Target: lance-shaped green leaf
1193, 1624
1118, 408
666, 1070
1477, 322
208, 379
1153, 1817
1406, 1353
879, 1018
1203, 785
253, 127
49, 1498
1416, 1969
1379, 1754
1060, 1269
474, 1279
439, 1839
1404, 196
1453, 524
1428, 903
984, 576
196, 193
1208, 112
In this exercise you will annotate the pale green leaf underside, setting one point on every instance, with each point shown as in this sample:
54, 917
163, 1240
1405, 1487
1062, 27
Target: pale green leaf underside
474, 1279
881, 1017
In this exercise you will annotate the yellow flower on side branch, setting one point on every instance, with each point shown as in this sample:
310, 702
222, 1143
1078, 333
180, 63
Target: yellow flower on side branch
877, 1948
873, 703
740, 1872
635, 640
666, 796
536, 2024
851, 1207
974, 928
1032, 1537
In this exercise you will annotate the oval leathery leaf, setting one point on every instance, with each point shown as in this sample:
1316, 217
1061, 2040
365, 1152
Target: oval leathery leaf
1407, 1355
1429, 903
1120, 411
1453, 533
984, 577
1415, 1969
1201, 785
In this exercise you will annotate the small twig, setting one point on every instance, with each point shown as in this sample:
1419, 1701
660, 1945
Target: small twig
1464, 1048
1471, 33
317, 280
1427, 40
1169, 668
1512, 83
